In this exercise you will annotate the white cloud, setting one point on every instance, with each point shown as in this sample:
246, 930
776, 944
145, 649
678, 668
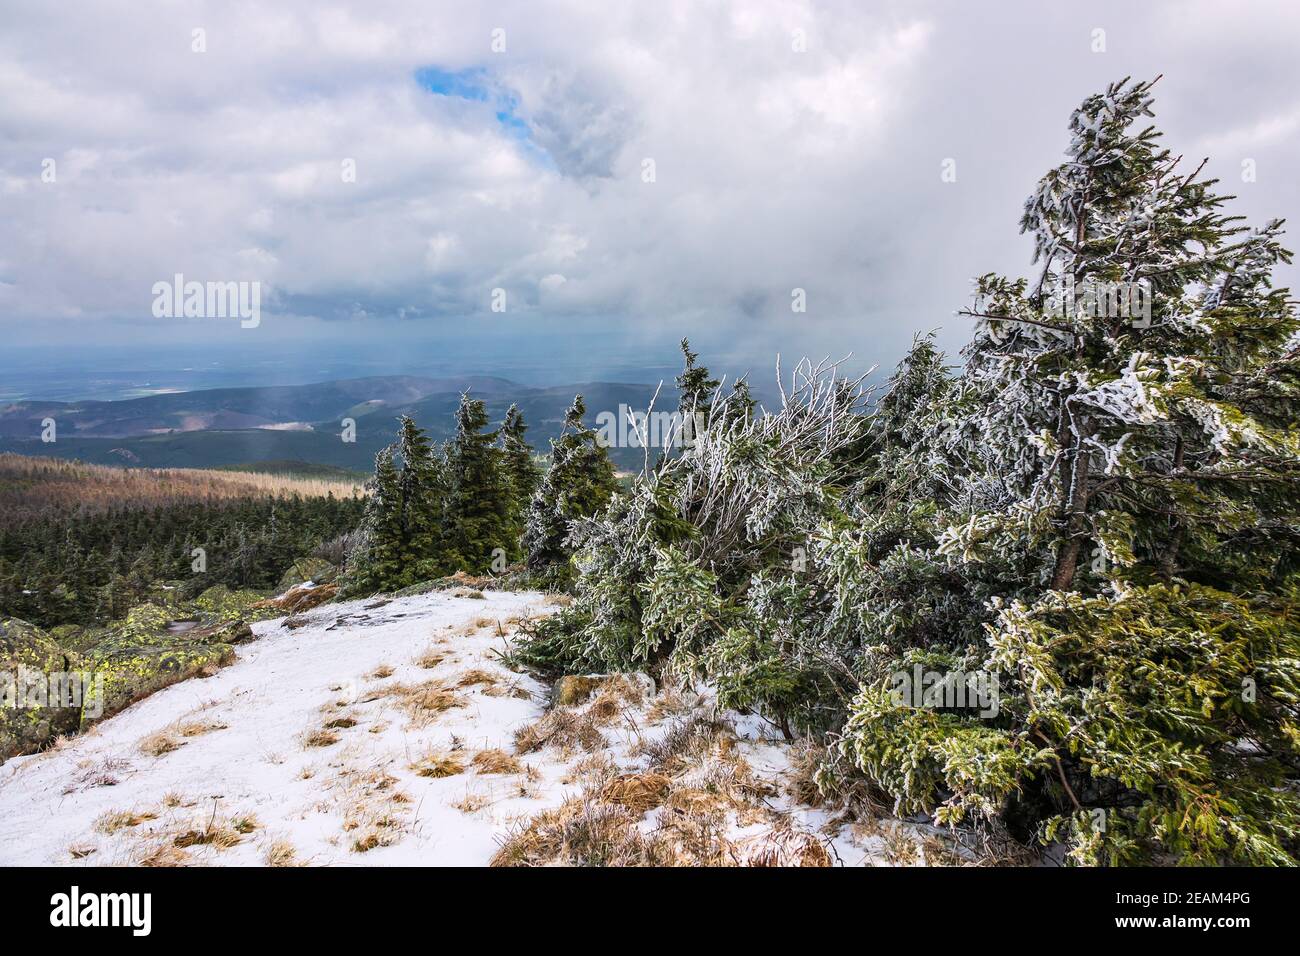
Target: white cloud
774, 168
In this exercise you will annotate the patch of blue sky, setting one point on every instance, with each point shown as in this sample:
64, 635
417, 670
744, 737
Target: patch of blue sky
476, 85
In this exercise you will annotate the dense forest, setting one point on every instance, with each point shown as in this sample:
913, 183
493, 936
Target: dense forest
66, 566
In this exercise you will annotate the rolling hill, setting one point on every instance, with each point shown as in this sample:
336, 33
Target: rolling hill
299, 423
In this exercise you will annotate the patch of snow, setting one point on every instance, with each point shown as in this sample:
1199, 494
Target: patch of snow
344, 666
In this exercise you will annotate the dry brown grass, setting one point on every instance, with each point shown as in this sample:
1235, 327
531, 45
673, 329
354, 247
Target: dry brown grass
375, 830
115, 820
477, 678
196, 728
671, 701
280, 853
100, 772
162, 855
561, 728
424, 702
382, 672
784, 846
592, 769
162, 742
496, 761
696, 795
689, 739
638, 792
605, 708
245, 823
320, 738
472, 803
438, 764
580, 833
430, 658
223, 838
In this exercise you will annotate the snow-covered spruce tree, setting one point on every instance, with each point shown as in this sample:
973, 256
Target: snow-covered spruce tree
423, 485
1141, 469
705, 568
403, 539
523, 475
579, 483
376, 561
479, 493
695, 386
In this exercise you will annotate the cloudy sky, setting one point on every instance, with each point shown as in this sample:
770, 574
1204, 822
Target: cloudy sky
793, 145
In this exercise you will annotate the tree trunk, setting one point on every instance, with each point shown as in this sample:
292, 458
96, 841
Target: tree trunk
1075, 516
1169, 560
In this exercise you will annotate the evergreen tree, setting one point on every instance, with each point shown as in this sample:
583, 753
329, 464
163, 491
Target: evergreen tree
579, 483
422, 499
480, 492
695, 387
523, 475
1166, 438
376, 564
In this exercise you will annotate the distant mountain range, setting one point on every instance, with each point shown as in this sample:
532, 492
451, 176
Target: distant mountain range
299, 423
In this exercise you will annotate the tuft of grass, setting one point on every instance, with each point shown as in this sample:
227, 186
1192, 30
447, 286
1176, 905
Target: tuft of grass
164, 854
437, 764
115, 820
163, 742
476, 677
472, 803
638, 792
496, 761
380, 830
219, 835
280, 853
605, 708
382, 672
245, 823
320, 738
562, 728
785, 846
581, 833
431, 658
424, 702
196, 728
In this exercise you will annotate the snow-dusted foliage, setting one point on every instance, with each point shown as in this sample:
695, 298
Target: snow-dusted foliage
579, 483
1096, 518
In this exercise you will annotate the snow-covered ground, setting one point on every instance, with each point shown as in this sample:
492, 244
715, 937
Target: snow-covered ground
326, 744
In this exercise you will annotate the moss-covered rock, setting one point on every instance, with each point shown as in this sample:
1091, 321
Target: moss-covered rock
154, 646
123, 675
316, 570
143, 622
219, 603
76, 637
29, 660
